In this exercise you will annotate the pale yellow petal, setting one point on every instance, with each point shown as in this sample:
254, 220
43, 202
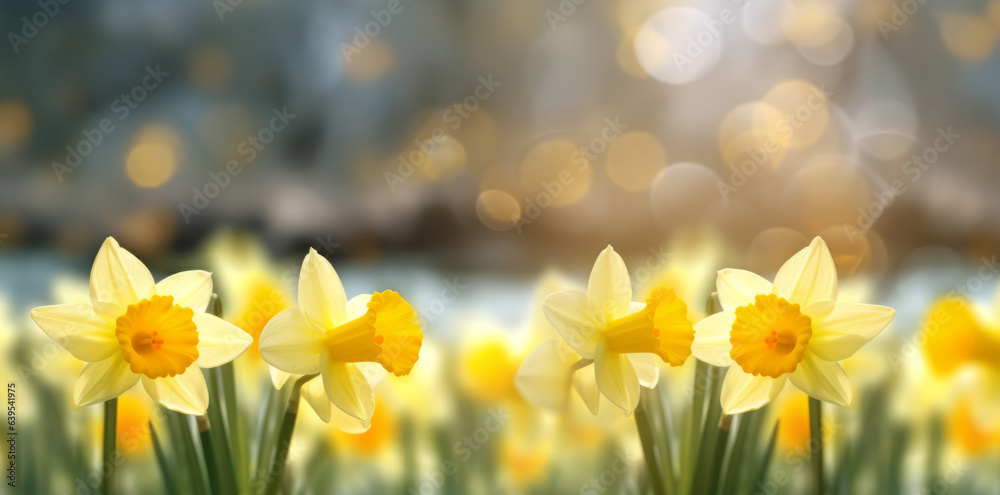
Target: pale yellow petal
824, 380
809, 276
711, 339
315, 395
742, 392
185, 393
219, 341
739, 287
118, 277
847, 328
646, 369
280, 378
585, 384
190, 289
610, 288
348, 389
543, 378
616, 378
375, 373
78, 329
292, 343
570, 313
103, 380
321, 295
357, 306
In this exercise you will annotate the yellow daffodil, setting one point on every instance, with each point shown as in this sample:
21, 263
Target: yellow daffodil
351, 343
134, 330
604, 327
792, 329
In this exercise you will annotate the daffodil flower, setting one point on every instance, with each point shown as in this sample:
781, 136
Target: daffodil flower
340, 339
605, 327
790, 330
134, 330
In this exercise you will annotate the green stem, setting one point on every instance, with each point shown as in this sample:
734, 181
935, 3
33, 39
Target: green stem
721, 441
110, 439
161, 460
208, 449
280, 453
816, 443
649, 449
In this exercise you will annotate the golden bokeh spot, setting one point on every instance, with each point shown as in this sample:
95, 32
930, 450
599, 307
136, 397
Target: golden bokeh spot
157, 337
634, 159
152, 161
557, 173
967, 37
370, 64
626, 56
209, 68
753, 138
793, 436
804, 109
16, 125
829, 192
810, 23
769, 337
498, 210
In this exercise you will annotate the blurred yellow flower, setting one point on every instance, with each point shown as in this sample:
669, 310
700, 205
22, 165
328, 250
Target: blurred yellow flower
341, 339
604, 327
969, 432
793, 329
956, 337
134, 329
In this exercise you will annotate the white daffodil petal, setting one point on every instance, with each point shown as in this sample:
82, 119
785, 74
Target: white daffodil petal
103, 380
570, 313
711, 339
610, 288
118, 277
78, 329
544, 376
742, 392
823, 380
348, 389
219, 341
739, 287
321, 295
347, 423
616, 378
280, 378
291, 343
809, 276
109, 312
185, 393
357, 306
645, 368
847, 328
585, 383
315, 395
190, 289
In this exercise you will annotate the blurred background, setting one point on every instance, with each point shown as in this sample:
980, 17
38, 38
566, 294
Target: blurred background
476, 155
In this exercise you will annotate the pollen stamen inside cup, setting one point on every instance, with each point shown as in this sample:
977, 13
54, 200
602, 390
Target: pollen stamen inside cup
157, 337
660, 328
769, 337
387, 334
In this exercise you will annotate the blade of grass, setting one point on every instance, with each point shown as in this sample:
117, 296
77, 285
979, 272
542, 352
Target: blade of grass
648, 441
719, 452
745, 429
110, 445
279, 455
709, 433
816, 444
690, 445
765, 460
666, 427
166, 471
